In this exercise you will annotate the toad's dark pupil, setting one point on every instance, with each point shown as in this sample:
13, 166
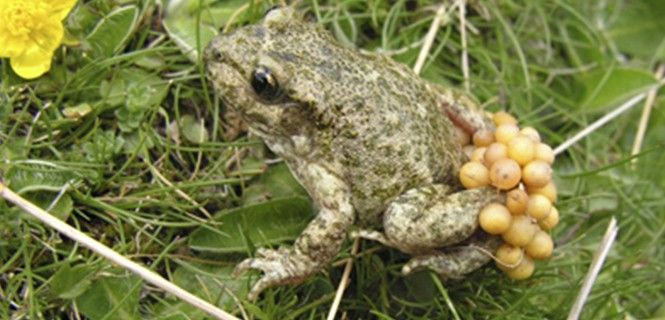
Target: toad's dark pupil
265, 85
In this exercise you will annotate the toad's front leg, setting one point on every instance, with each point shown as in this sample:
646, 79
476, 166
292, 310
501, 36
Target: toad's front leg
318, 243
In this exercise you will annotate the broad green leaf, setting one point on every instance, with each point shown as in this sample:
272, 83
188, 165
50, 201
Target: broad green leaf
640, 29
263, 223
46, 200
605, 88
211, 282
70, 282
82, 20
181, 17
111, 297
276, 182
112, 32
37, 177
193, 130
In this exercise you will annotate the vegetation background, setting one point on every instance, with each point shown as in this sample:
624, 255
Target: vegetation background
124, 140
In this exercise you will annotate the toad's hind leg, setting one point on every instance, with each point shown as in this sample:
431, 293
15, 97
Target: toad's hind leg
424, 221
456, 261
427, 218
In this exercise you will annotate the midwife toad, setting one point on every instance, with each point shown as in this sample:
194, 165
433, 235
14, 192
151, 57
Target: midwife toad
367, 138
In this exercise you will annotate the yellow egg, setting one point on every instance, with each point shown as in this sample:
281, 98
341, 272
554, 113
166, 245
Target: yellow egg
531, 133
549, 191
521, 149
521, 231
537, 173
544, 152
505, 174
523, 271
516, 201
494, 152
474, 175
506, 132
478, 154
508, 257
541, 246
495, 218
538, 206
502, 117
483, 138
550, 221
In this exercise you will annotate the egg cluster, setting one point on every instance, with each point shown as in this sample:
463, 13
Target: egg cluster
514, 161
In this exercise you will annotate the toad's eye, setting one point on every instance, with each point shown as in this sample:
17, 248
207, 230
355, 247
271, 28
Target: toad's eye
265, 85
271, 9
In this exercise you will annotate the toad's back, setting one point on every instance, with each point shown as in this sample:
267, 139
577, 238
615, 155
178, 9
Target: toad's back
390, 132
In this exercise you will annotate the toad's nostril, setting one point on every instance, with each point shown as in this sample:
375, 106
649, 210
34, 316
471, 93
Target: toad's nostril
218, 56
213, 53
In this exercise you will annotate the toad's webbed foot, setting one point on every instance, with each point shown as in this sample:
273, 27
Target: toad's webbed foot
280, 266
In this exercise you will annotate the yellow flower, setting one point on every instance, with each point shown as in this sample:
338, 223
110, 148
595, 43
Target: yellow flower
30, 30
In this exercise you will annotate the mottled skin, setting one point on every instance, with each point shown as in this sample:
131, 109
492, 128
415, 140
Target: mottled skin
367, 138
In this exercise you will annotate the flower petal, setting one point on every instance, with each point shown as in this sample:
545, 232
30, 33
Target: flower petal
60, 8
11, 46
32, 63
50, 35
5, 50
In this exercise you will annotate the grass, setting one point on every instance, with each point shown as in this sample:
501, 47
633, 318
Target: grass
153, 142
